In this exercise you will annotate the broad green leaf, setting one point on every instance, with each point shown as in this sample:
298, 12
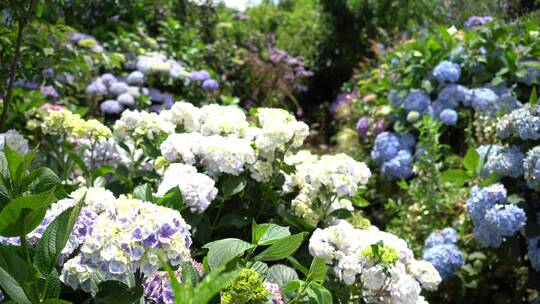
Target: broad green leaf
54, 286
40, 180
471, 160
317, 270
222, 251
172, 199
56, 301
281, 274
359, 201
16, 276
55, 238
212, 284
18, 163
320, 294
282, 248
232, 185
24, 214
455, 176
114, 292
292, 286
144, 192
269, 233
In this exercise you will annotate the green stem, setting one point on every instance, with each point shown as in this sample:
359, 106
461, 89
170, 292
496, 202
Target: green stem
300, 294
24, 248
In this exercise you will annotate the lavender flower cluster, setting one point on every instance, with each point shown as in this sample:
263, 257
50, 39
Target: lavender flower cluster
475, 21
295, 67
531, 168
533, 248
523, 123
394, 153
440, 250
493, 220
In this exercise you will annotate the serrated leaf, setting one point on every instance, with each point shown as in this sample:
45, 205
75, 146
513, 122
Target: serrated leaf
317, 270
267, 234
15, 276
282, 248
222, 251
281, 274
41, 180
55, 238
260, 267
24, 214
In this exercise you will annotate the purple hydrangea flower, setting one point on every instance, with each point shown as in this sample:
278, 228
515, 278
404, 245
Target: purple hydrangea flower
475, 21
201, 75
49, 92
210, 85
447, 71
417, 101
362, 126
111, 107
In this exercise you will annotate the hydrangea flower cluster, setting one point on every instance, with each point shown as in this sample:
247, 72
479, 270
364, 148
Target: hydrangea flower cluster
221, 139
441, 251
276, 294
14, 140
323, 182
247, 288
86, 41
521, 123
531, 168
475, 21
158, 289
493, 221
130, 235
447, 71
197, 189
64, 122
344, 247
135, 124
393, 152
502, 161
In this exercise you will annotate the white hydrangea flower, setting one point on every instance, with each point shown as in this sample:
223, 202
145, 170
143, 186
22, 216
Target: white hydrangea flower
197, 189
223, 120
183, 146
187, 115
425, 273
261, 171
343, 247
132, 235
133, 124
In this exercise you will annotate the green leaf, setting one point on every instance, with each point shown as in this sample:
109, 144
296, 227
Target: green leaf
222, 251
320, 294
533, 98
144, 192
114, 292
54, 286
182, 294
16, 276
455, 176
471, 160
260, 267
56, 301
212, 284
282, 248
24, 214
359, 201
341, 213
41, 180
281, 274
317, 270
55, 238
18, 163
292, 286
172, 199
232, 185
267, 234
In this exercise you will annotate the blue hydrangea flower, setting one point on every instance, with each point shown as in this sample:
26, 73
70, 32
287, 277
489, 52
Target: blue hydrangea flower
446, 236
210, 85
118, 88
502, 161
484, 100
447, 71
446, 258
96, 88
201, 75
531, 168
111, 107
449, 117
523, 123
135, 78
417, 101
451, 96
532, 76
126, 99
108, 79
393, 153
492, 220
